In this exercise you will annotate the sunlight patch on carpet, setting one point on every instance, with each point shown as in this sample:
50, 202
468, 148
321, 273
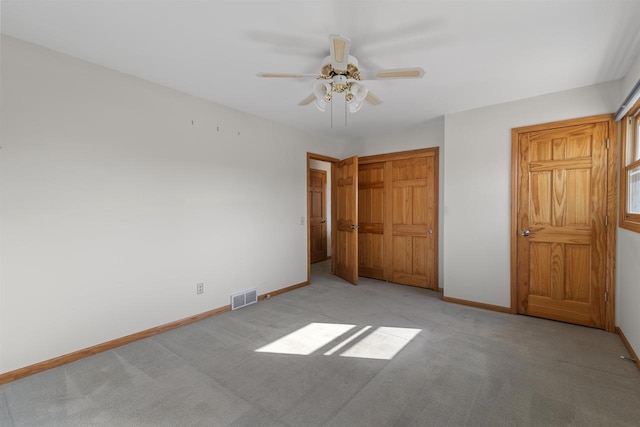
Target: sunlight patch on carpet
383, 343
344, 340
307, 339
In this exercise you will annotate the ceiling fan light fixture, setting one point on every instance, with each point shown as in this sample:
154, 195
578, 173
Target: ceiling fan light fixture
354, 105
321, 104
359, 91
321, 89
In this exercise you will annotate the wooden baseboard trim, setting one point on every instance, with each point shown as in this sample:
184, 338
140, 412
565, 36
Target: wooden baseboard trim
118, 342
627, 344
475, 304
282, 290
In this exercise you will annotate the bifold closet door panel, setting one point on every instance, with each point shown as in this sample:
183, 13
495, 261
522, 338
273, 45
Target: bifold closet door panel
413, 218
397, 213
371, 220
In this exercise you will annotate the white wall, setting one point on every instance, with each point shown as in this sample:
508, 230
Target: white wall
628, 253
428, 135
630, 80
628, 286
114, 205
477, 186
325, 166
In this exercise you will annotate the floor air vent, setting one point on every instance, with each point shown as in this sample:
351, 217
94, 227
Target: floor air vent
244, 298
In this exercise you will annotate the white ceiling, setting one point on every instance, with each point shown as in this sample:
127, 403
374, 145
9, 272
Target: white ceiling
474, 53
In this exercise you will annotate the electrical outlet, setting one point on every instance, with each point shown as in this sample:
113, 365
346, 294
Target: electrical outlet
200, 288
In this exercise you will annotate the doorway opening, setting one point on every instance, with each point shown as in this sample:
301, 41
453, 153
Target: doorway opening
319, 214
383, 216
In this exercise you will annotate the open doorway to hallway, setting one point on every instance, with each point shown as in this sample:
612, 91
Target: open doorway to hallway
319, 211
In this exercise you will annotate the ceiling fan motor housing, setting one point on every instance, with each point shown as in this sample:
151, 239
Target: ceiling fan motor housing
340, 83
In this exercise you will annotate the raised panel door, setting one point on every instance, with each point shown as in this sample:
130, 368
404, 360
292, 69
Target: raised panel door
562, 204
344, 180
413, 187
371, 220
317, 215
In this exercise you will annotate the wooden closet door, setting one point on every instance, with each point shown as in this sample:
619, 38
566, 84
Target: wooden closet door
371, 220
413, 213
344, 180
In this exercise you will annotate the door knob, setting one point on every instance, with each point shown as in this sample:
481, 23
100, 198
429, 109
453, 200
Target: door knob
323, 221
354, 227
526, 233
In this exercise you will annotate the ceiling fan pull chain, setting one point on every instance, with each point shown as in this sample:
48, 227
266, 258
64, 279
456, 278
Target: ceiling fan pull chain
345, 112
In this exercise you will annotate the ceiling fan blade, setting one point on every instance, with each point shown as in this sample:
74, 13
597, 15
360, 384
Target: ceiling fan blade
287, 76
372, 99
308, 100
400, 73
339, 47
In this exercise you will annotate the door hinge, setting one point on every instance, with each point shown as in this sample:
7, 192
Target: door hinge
606, 220
606, 296
608, 143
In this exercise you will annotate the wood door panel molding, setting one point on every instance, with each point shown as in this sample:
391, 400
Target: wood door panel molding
409, 279
371, 228
561, 247
549, 165
371, 272
410, 230
345, 181
561, 314
371, 255
548, 237
400, 155
551, 126
410, 183
322, 158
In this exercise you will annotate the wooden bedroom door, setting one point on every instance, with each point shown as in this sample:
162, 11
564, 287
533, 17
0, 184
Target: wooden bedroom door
317, 215
344, 192
562, 222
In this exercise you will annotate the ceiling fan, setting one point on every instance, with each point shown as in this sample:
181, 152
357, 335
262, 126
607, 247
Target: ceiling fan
340, 74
